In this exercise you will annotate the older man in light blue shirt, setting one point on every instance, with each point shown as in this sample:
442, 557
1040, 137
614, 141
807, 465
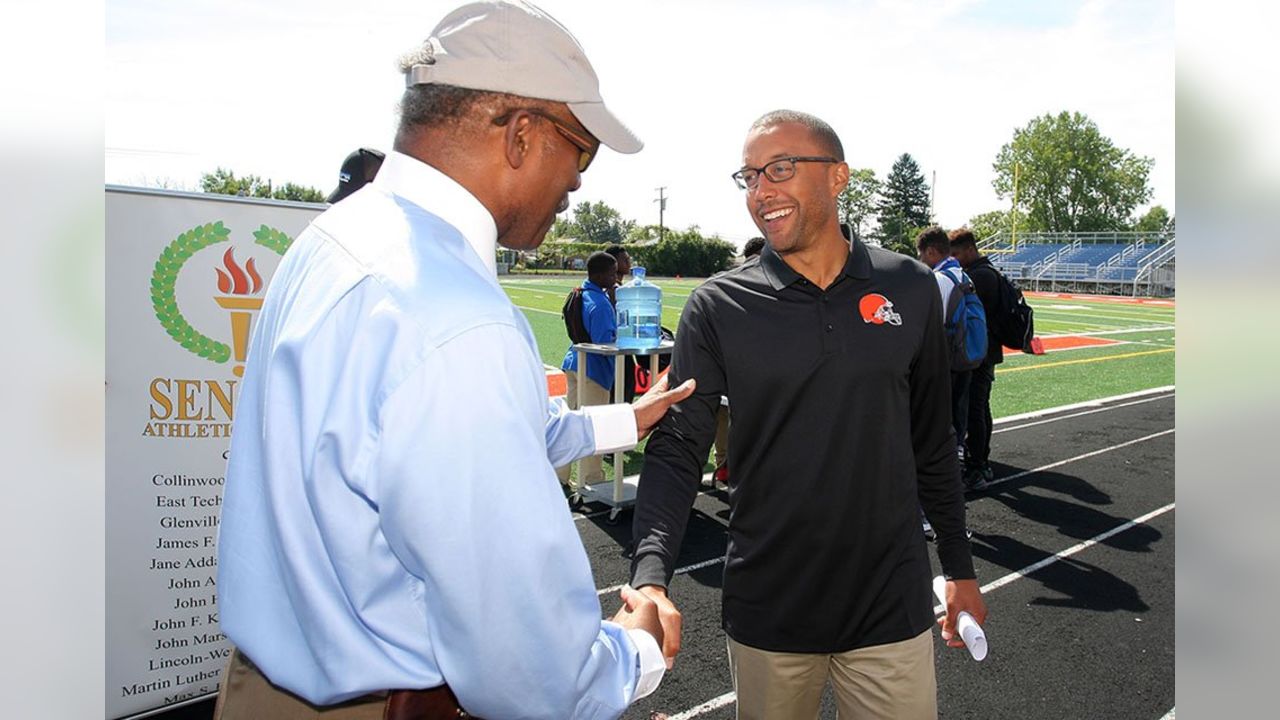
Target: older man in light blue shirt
391, 520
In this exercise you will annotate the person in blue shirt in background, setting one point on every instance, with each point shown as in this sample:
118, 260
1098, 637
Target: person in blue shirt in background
602, 324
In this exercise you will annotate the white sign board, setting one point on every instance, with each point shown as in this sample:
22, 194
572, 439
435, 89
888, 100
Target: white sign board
186, 273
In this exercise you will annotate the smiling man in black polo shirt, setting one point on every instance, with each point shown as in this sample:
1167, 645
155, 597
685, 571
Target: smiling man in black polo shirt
834, 360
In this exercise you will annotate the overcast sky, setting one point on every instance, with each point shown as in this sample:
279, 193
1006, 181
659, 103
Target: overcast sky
285, 89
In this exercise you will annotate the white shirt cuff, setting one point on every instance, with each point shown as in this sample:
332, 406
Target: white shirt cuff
614, 427
652, 664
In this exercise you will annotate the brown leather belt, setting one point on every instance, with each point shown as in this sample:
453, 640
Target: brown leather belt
438, 703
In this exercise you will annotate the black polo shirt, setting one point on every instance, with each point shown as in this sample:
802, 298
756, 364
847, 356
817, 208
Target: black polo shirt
841, 429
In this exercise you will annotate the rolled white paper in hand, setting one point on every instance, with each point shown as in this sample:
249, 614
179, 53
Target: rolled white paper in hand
970, 631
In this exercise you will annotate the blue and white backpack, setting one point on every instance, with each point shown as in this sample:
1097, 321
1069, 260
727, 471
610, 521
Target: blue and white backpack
966, 324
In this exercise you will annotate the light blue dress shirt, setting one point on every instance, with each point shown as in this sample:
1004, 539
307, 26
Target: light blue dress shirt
391, 518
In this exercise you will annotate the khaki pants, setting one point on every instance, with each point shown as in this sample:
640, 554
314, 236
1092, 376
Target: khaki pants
722, 435
894, 681
590, 468
247, 695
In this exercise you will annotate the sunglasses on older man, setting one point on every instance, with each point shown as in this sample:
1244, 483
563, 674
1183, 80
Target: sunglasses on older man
586, 148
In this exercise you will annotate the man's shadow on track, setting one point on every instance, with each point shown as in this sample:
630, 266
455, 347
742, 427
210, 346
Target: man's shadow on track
1081, 584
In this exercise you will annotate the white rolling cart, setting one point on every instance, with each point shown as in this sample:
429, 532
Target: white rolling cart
621, 493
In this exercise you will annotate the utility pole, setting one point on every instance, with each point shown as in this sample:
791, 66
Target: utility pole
1013, 220
662, 208
933, 190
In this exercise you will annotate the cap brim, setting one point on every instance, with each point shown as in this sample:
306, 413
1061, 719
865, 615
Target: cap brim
607, 128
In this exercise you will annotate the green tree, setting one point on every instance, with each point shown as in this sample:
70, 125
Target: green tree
857, 202
1157, 219
298, 193
225, 182
685, 253
904, 205
1071, 178
989, 223
593, 223
643, 234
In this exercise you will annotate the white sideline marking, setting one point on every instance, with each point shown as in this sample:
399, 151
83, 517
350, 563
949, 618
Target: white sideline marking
729, 697
1169, 715
1010, 352
1050, 466
1128, 318
1076, 406
533, 309
938, 609
1123, 331
1086, 412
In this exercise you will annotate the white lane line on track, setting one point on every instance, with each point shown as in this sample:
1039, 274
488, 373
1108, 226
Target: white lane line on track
1024, 473
997, 481
993, 585
679, 571
1169, 715
1050, 466
1086, 404
729, 697
1097, 406
705, 707
1079, 414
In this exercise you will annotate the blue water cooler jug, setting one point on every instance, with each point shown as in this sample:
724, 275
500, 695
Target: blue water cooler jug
639, 312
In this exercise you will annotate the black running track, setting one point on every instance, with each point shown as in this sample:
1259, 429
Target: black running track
1076, 536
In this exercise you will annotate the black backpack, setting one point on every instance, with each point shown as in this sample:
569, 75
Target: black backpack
1014, 323
572, 314
636, 379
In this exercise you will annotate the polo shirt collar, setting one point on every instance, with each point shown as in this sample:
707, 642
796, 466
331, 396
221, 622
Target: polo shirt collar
440, 195
780, 274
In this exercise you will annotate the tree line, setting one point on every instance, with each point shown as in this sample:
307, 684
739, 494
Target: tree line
661, 251
1059, 173
1068, 177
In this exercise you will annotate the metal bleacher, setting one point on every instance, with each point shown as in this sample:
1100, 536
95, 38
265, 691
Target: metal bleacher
1128, 263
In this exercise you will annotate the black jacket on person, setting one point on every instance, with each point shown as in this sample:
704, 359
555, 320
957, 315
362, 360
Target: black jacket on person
841, 432
986, 282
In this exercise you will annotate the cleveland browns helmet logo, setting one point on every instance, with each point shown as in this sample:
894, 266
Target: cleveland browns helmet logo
878, 310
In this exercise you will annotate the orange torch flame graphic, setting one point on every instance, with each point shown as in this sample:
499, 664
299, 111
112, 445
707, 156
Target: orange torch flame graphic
237, 286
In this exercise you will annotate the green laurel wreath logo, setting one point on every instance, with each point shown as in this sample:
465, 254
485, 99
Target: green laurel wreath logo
164, 281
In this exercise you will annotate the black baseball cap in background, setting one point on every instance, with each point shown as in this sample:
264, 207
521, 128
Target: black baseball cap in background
357, 171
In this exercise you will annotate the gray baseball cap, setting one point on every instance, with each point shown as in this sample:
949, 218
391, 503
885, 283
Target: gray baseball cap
517, 48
